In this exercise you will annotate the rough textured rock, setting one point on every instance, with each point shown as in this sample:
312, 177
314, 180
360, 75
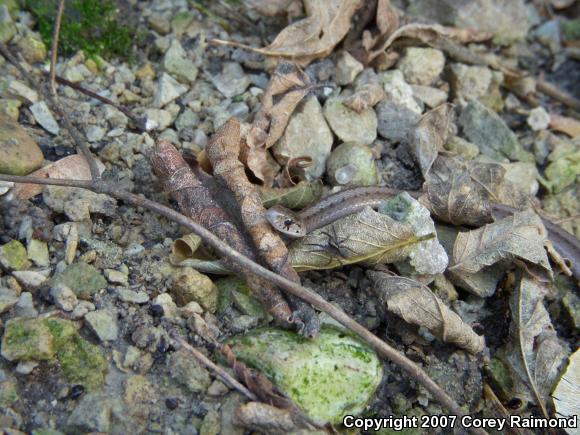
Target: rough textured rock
27, 339
421, 66
104, 324
189, 285
394, 120
347, 68
476, 83
168, 89
307, 134
19, 153
398, 91
13, 256
349, 125
484, 128
352, 164
176, 63
188, 372
44, 117
82, 278
232, 80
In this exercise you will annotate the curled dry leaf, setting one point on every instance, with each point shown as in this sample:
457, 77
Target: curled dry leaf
387, 21
418, 305
534, 353
293, 172
313, 37
184, 247
287, 87
266, 418
73, 167
521, 236
460, 192
432, 131
364, 236
428, 34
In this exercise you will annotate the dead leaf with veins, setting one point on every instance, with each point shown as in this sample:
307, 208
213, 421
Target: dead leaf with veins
416, 304
314, 37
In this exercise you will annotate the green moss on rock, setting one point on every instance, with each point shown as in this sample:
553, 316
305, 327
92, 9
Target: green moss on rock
81, 362
91, 26
82, 278
329, 377
13, 256
27, 340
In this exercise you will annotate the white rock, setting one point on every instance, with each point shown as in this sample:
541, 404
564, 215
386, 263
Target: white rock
19, 89
168, 89
398, 91
347, 68
44, 117
538, 119
63, 297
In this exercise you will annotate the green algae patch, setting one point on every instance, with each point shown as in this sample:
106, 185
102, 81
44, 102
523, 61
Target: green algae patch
82, 278
329, 377
13, 256
27, 340
81, 362
92, 26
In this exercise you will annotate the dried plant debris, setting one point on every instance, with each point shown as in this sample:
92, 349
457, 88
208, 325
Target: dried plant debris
418, 305
461, 192
432, 131
521, 236
315, 36
287, 87
534, 354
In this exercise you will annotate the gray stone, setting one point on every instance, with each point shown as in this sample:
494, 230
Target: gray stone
349, 125
117, 276
31, 279
431, 97
506, 20
168, 89
347, 68
95, 133
19, 153
32, 49
159, 23
38, 252
549, 34
94, 413
26, 367
18, 89
82, 308
132, 297
189, 285
8, 299
421, 66
232, 81
187, 119
115, 117
104, 324
44, 117
462, 147
188, 371
177, 64
78, 204
7, 26
394, 120
398, 91
307, 134
476, 83
63, 297
352, 164
25, 306
488, 131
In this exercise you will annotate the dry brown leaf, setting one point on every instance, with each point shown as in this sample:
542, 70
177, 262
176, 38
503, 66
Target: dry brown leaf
418, 305
73, 167
365, 236
429, 33
570, 126
432, 131
534, 353
287, 87
387, 18
521, 236
295, 197
460, 192
313, 37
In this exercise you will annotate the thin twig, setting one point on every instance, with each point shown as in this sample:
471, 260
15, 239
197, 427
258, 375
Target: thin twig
139, 123
557, 94
222, 374
296, 289
80, 143
54, 48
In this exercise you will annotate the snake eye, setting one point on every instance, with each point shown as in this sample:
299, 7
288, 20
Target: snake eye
288, 223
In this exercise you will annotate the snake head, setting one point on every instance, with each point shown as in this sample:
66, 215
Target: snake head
285, 221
